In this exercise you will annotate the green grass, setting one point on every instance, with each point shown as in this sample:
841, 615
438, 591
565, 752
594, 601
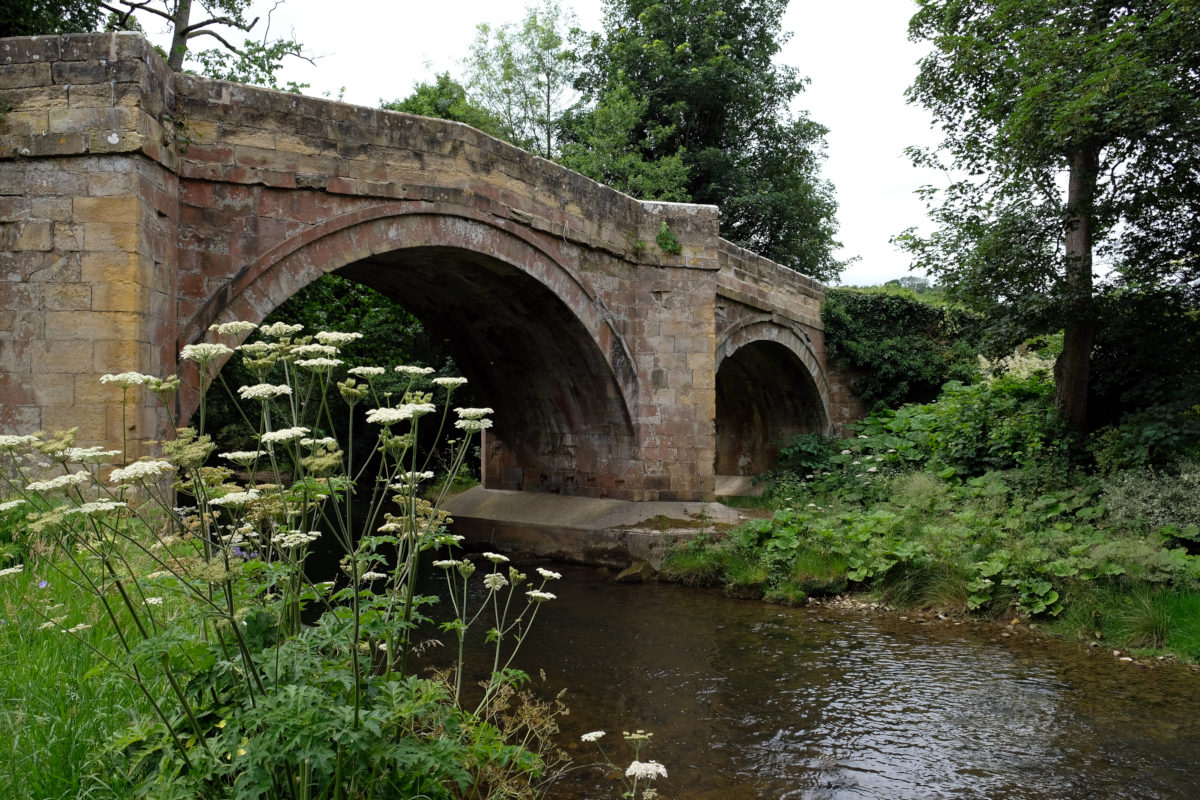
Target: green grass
59, 710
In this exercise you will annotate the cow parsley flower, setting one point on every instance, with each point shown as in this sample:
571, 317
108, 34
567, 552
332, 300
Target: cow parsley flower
237, 328
140, 470
126, 379
283, 435
264, 391
473, 425
447, 563
373, 576
96, 507
278, 330
243, 457
494, 581
538, 596
473, 413
10, 442
319, 364
82, 454
295, 538
413, 372
592, 736
17, 570
645, 770
11, 504
304, 350
495, 558
367, 372
60, 482
337, 337
450, 383
548, 575
203, 352
236, 499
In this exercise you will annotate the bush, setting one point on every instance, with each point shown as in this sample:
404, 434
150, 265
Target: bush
902, 348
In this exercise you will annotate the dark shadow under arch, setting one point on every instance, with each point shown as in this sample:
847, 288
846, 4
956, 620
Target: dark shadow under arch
765, 395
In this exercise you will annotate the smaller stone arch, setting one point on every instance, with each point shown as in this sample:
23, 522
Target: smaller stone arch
770, 387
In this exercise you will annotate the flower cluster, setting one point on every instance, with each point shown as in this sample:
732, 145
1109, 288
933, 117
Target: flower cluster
140, 471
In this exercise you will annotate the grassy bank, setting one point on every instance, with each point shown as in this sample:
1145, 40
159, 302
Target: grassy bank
1099, 559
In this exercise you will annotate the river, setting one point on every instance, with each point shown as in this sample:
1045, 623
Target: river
748, 700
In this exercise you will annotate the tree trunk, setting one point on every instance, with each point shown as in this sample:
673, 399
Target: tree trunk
1079, 326
179, 39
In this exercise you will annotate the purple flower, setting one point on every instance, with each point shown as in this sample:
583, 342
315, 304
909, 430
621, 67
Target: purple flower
42, 584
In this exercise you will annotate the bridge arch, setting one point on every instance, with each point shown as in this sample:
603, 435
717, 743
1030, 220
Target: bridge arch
520, 324
770, 387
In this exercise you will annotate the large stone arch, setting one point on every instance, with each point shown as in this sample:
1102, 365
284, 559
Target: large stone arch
770, 387
528, 333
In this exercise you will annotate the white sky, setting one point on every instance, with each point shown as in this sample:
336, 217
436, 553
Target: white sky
857, 55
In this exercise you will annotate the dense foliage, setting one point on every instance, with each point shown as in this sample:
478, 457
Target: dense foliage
899, 347
1099, 98
46, 17
971, 504
704, 73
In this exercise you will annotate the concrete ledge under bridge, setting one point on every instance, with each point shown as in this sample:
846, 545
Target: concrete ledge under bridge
582, 530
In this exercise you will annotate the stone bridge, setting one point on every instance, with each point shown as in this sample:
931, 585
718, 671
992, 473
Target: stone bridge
137, 207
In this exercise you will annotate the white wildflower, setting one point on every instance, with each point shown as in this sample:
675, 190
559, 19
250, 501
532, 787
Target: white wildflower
96, 507
450, 383
373, 576
495, 558
539, 596
305, 350
494, 581
17, 570
367, 372
473, 413
337, 337
645, 770
203, 352
83, 626
126, 379
94, 454
295, 538
447, 563
10, 442
236, 499
548, 575
11, 504
140, 470
845, 452
61, 482
324, 441
283, 435
243, 457
390, 416
592, 736
319, 364
279, 330
154, 601
473, 425
237, 328
264, 391
872, 469
259, 349
413, 372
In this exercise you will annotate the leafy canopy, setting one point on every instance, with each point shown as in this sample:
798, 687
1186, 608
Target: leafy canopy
711, 93
1076, 128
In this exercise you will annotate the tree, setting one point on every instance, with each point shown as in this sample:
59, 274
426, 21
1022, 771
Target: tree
702, 71
1077, 126
604, 144
523, 75
255, 61
446, 98
48, 17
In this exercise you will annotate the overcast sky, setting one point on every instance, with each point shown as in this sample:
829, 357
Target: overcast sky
857, 55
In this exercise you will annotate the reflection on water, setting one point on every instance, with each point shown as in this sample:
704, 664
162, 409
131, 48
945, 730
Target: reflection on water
748, 700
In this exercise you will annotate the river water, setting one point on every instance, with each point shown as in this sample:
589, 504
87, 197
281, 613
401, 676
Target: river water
748, 700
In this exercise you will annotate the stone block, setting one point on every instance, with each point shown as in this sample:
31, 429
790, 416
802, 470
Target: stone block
110, 237
110, 296
17, 76
103, 267
107, 209
91, 325
91, 422
61, 356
